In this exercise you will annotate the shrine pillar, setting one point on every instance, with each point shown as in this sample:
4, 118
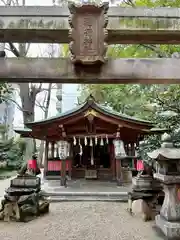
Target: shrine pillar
119, 154
53, 148
46, 159
63, 172
118, 172
132, 149
63, 153
70, 159
113, 161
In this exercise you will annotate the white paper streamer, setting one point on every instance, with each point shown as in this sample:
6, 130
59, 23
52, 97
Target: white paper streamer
55, 150
101, 142
50, 150
85, 141
74, 141
91, 142
107, 140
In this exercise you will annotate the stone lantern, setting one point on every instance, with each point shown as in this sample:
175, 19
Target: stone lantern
168, 172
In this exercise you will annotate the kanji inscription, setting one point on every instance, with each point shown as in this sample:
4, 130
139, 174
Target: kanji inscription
88, 33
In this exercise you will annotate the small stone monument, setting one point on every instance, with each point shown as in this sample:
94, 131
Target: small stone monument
23, 200
168, 172
145, 191
144, 181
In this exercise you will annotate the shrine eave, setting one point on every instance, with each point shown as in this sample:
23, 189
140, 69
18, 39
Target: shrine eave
156, 130
29, 133
24, 132
90, 104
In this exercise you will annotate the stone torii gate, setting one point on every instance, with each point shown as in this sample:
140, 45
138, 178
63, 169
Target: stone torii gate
92, 28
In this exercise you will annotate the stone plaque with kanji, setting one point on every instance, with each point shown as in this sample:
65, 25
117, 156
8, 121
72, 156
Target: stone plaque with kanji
88, 33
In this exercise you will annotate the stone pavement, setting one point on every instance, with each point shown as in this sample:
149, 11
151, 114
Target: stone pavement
85, 190
82, 185
82, 221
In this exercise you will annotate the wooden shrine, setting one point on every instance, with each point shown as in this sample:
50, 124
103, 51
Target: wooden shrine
89, 130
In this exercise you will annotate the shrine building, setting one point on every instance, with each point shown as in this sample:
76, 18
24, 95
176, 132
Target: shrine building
93, 141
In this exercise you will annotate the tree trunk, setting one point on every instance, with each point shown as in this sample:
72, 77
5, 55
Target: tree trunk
28, 105
2, 47
28, 98
28, 92
42, 145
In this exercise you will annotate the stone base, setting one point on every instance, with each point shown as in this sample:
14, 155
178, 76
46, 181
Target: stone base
90, 174
126, 176
171, 230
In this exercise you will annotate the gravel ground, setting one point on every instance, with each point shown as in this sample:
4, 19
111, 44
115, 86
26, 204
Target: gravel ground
81, 221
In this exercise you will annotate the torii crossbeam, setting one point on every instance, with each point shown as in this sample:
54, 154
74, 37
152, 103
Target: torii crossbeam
126, 25
49, 24
61, 70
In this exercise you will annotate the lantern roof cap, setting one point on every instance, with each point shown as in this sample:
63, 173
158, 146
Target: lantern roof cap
166, 137
167, 151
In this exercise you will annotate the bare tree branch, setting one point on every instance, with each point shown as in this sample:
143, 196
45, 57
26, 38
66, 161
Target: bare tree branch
166, 104
6, 3
14, 49
155, 49
36, 89
39, 88
13, 3
38, 104
47, 89
130, 3
48, 100
12, 100
7, 49
27, 48
16, 2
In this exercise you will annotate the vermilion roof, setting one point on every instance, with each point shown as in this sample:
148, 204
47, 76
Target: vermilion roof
111, 117
90, 103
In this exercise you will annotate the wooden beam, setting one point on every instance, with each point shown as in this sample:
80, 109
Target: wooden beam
115, 36
61, 70
55, 11
83, 130
126, 25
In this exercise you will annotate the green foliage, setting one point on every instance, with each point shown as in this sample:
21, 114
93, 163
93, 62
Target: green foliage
149, 144
5, 90
128, 99
157, 103
11, 152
